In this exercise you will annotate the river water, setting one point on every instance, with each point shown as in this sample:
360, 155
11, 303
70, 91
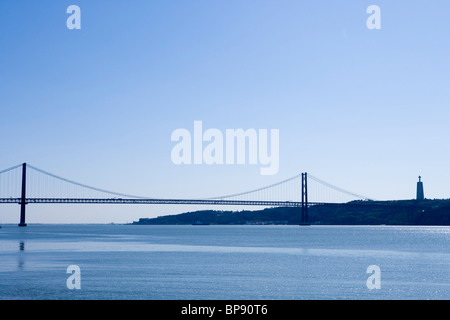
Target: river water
224, 262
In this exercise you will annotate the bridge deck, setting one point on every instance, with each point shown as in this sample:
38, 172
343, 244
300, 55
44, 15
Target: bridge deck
154, 201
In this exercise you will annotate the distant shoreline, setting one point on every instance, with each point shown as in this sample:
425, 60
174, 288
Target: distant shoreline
434, 212
428, 212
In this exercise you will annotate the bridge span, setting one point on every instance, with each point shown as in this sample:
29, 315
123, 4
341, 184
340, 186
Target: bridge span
14, 180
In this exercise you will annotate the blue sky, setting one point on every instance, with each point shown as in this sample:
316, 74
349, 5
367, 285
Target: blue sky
366, 110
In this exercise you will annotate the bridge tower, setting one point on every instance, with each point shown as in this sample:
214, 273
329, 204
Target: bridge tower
304, 199
23, 200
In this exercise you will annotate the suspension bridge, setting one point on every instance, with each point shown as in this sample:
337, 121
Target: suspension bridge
25, 184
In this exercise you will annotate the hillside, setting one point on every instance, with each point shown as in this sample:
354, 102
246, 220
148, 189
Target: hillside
403, 212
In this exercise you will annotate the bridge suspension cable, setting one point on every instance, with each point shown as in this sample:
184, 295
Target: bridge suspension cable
256, 190
288, 190
9, 186
338, 189
84, 185
9, 169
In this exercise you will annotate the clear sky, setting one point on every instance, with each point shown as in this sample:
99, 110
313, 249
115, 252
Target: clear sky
366, 110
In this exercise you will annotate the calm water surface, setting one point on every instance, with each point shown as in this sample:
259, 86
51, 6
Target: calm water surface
224, 262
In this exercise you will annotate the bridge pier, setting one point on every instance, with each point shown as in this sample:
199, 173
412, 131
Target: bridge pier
23, 200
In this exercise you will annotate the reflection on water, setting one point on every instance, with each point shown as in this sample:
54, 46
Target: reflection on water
21, 260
